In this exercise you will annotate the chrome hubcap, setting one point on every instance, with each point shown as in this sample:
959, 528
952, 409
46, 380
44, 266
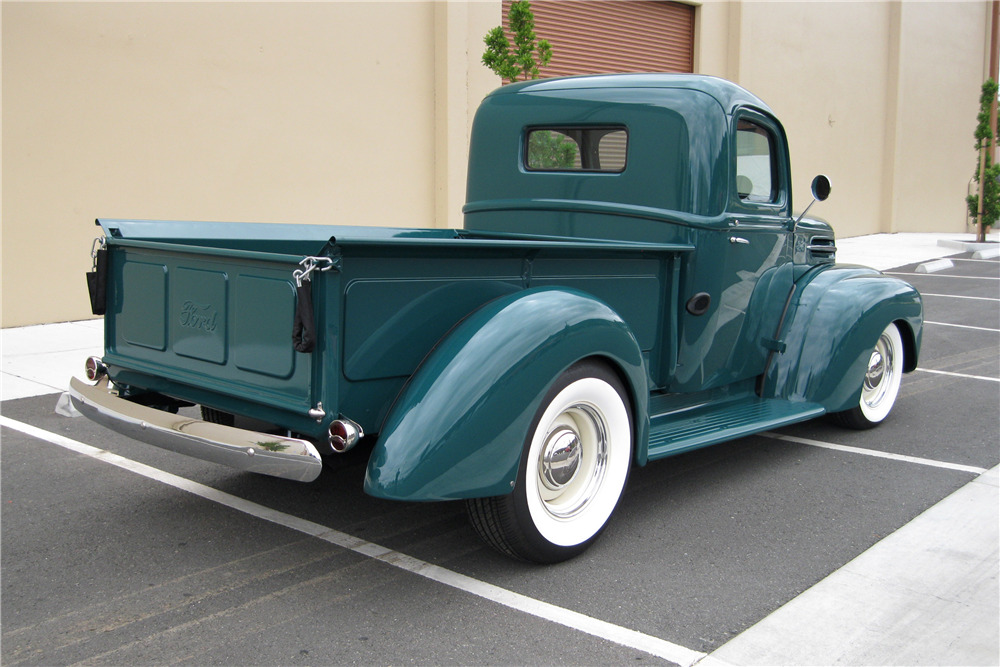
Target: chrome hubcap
572, 463
876, 369
560, 458
880, 369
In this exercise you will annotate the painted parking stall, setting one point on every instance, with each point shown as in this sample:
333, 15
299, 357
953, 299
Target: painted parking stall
104, 563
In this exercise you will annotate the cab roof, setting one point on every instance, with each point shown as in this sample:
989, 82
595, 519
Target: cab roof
728, 94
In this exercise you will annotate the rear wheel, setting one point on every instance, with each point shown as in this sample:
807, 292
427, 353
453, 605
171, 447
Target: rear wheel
573, 471
880, 386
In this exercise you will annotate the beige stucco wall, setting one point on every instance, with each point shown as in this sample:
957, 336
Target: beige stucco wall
342, 113
881, 96
359, 113
942, 65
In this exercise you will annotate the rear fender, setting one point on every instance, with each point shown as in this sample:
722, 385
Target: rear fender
838, 316
458, 427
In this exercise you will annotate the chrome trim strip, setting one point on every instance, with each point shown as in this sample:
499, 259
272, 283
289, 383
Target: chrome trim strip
266, 454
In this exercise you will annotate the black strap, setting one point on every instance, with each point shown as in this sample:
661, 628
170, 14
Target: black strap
304, 331
97, 281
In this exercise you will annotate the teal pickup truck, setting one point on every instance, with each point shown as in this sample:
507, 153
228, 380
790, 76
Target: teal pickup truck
630, 283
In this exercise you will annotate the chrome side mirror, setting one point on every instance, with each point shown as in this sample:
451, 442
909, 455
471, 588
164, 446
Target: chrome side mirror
820, 191
820, 188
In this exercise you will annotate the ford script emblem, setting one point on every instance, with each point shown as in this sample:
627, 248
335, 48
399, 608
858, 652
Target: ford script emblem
198, 316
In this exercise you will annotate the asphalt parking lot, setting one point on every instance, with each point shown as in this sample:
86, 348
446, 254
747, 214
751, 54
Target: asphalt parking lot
125, 554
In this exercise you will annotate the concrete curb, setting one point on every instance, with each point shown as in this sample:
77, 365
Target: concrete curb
935, 266
968, 246
928, 589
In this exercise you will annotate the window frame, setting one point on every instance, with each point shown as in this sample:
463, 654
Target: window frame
780, 178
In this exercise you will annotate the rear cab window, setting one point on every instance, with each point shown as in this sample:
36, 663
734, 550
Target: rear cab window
576, 149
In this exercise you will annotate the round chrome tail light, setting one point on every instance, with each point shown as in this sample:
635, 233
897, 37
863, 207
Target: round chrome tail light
95, 369
344, 434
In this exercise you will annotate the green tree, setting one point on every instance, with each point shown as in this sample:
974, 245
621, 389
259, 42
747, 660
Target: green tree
987, 174
548, 149
526, 56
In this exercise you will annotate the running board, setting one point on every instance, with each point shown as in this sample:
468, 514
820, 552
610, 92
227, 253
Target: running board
677, 432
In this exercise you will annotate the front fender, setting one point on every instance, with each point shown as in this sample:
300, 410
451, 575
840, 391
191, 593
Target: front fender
837, 317
458, 427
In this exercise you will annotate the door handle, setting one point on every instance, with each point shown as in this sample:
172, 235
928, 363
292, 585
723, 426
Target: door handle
738, 239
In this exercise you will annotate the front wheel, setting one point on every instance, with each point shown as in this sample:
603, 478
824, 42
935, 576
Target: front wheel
880, 386
574, 467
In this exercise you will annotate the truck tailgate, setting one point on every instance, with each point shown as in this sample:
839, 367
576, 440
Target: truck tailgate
217, 320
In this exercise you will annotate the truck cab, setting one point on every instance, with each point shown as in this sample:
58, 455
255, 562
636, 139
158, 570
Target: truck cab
657, 159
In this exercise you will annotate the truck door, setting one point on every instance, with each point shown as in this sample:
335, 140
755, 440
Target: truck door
743, 265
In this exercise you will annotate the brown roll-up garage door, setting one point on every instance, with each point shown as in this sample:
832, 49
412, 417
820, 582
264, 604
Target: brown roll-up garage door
604, 36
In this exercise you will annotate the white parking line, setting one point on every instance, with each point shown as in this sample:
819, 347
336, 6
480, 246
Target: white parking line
940, 275
876, 453
961, 326
972, 259
566, 617
959, 375
958, 296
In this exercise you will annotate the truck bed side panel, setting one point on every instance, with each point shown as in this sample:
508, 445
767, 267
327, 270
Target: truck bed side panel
398, 303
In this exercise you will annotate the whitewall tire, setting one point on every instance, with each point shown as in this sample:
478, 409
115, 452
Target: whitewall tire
574, 468
880, 385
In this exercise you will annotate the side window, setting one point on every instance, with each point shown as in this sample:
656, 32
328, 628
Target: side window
756, 163
597, 149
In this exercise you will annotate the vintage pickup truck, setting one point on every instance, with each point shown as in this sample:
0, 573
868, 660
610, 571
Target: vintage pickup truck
630, 283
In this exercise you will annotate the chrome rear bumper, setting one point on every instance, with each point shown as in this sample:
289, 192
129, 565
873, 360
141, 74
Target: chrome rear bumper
289, 458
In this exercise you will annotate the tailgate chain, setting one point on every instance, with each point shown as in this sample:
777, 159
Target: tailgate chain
304, 328
310, 264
